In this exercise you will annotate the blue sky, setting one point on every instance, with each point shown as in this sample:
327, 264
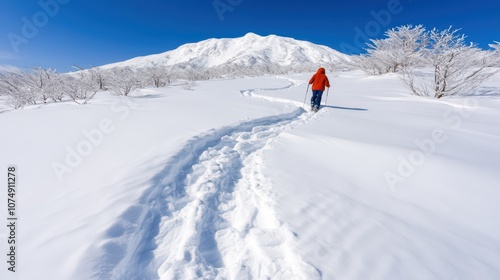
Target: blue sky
61, 33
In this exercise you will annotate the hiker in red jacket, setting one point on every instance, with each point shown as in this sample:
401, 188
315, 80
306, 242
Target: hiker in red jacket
319, 81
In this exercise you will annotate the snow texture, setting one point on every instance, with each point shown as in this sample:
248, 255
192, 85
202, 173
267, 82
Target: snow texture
236, 180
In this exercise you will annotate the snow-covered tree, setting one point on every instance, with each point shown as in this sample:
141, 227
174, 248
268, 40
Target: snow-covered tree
457, 67
81, 86
29, 88
97, 74
371, 64
496, 53
155, 75
13, 88
46, 84
122, 80
402, 48
192, 74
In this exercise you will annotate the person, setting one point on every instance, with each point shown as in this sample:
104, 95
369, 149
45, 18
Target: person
319, 81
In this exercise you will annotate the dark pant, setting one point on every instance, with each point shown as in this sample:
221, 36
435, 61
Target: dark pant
316, 98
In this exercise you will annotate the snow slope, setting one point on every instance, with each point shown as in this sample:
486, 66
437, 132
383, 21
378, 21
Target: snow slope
235, 180
439, 222
248, 50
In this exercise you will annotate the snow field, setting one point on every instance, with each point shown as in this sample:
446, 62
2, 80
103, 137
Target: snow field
438, 223
235, 180
215, 209
197, 189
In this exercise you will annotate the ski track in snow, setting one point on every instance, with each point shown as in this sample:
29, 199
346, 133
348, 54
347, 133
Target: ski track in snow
209, 214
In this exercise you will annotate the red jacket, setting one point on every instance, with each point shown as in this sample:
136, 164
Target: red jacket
319, 80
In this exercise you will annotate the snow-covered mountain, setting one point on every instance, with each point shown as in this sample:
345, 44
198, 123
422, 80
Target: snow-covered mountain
248, 50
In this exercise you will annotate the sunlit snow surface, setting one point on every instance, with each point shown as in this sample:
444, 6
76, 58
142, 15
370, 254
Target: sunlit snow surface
236, 180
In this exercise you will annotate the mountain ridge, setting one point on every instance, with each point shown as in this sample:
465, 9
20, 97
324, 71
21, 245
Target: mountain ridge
250, 50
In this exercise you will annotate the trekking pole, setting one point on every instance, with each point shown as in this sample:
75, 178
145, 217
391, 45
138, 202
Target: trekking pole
305, 97
326, 99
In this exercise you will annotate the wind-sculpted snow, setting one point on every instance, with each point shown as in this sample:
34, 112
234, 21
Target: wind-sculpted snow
208, 214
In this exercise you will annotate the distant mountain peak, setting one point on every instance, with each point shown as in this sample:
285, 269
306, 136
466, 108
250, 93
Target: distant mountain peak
249, 50
252, 35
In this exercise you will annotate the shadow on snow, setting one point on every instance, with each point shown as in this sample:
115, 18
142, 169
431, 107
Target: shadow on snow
346, 108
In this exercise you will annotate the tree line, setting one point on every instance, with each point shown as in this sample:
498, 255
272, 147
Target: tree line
434, 63
41, 86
